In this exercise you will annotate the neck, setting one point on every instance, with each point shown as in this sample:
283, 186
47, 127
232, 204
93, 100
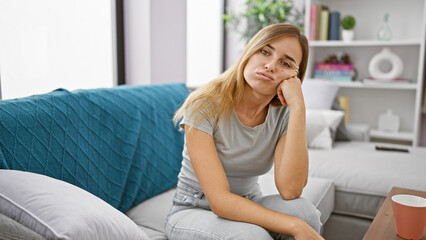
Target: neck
253, 104
253, 108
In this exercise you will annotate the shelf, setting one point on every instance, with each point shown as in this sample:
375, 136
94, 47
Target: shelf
370, 98
364, 43
403, 136
399, 86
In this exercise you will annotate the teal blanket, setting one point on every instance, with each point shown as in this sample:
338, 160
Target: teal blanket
119, 144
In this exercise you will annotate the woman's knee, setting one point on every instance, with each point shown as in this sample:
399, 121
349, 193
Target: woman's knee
308, 213
299, 207
205, 225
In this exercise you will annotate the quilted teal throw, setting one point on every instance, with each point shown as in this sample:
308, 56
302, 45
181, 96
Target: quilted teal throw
120, 143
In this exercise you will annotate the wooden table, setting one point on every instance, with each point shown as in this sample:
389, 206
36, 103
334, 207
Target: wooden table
383, 225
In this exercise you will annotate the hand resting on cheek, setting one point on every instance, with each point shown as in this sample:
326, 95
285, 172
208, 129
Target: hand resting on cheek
290, 92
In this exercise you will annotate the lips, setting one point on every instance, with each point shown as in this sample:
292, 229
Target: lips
264, 76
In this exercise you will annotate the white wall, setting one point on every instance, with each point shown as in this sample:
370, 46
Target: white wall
204, 46
49, 44
155, 41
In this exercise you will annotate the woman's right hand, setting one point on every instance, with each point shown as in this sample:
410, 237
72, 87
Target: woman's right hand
305, 232
290, 91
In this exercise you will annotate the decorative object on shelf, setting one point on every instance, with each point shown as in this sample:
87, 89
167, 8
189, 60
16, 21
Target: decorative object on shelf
344, 103
388, 122
260, 14
348, 24
385, 55
384, 33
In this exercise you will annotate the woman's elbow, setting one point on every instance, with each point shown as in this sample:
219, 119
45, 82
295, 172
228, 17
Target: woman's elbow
218, 207
289, 195
217, 210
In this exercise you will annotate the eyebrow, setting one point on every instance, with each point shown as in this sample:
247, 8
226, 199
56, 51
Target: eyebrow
286, 56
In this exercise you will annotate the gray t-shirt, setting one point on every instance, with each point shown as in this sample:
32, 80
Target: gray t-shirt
245, 152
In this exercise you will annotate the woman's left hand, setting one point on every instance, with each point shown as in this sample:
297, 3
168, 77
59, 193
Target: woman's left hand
290, 92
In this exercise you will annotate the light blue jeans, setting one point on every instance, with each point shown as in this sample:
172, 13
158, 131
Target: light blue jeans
191, 217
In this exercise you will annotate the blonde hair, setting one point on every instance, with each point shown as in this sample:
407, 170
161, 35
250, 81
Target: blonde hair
217, 98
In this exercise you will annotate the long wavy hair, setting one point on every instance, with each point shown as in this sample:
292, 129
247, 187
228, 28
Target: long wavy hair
217, 98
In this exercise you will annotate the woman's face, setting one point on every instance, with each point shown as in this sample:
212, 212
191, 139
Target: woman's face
278, 60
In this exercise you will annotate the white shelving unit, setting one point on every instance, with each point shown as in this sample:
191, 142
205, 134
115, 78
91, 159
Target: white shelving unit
407, 20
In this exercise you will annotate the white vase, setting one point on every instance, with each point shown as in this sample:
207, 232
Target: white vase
386, 55
347, 35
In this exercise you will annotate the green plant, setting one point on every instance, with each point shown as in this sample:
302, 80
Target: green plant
261, 13
348, 22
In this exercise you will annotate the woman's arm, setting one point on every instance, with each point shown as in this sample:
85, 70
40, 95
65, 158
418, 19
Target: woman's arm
211, 175
291, 153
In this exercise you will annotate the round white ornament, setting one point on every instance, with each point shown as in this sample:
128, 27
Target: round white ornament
385, 55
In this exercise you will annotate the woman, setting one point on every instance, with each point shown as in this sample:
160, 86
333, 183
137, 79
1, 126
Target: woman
236, 127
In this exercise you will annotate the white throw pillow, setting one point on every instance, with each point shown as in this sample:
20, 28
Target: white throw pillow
319, 93
58, 210
320, 123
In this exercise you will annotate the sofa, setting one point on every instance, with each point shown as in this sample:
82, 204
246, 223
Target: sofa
98, 164
343, 153
103, 164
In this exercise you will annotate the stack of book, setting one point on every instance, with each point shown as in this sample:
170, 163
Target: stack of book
334, 71
324, 25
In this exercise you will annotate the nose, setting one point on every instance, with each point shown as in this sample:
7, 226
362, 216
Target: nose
270, 66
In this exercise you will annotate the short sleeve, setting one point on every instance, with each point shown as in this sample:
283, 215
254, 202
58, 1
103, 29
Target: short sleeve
284, 120
207, 125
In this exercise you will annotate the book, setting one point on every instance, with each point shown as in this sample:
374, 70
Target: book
318, 20
324, 22
334, 26
312, 23
334, 71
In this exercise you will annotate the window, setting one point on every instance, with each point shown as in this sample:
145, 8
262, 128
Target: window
48, 44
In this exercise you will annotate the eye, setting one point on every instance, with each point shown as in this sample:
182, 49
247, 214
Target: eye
286, 64
264, 52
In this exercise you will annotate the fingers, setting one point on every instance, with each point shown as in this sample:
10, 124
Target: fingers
281, 96
293, 76
282, 100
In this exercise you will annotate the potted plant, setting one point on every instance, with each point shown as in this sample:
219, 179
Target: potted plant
261, 13
348, 24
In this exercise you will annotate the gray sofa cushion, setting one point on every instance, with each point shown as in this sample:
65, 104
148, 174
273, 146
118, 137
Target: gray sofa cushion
12, 230
364, 176
151, 214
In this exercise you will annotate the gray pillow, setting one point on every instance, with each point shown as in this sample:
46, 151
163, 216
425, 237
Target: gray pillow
320, 123
319, 93
341, 134
58, 210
